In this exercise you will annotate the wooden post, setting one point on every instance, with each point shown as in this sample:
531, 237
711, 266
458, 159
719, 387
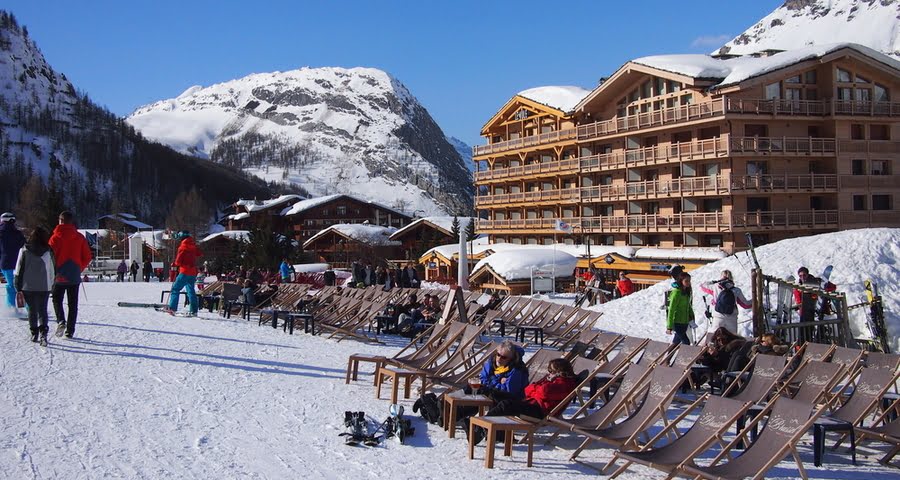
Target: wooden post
759, 317
846, 334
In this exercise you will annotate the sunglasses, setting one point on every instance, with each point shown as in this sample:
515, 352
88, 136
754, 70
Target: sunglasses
504, 357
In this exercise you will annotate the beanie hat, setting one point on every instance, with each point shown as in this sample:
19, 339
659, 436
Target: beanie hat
8, 217
182, 234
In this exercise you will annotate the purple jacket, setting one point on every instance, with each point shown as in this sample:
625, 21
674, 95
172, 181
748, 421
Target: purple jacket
11, 241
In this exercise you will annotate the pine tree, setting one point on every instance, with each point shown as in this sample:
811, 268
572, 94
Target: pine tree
470, 230
189, 212
454, 228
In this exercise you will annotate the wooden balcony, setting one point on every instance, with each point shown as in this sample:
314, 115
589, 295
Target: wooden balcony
869, 146
806, 146
713, 185
569, 165
524, 142
688, 113
660, 154
713, 222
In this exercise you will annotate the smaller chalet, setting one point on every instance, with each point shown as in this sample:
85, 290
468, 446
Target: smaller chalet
428, 232
342, 244
222, 243
510, 271
122, 222
249, 213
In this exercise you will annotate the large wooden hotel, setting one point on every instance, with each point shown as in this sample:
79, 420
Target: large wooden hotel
696, 151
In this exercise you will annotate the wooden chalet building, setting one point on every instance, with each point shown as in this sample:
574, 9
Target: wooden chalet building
307, 218
342, 244
425, 233
122, 222
251, 213
695, 151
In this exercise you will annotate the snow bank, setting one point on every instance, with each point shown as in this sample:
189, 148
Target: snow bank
856, 255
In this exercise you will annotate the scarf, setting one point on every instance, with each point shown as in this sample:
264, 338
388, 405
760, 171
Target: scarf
500, 370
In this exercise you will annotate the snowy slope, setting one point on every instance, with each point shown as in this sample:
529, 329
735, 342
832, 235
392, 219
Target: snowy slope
801, 23
141, 394
330, 130
855, 254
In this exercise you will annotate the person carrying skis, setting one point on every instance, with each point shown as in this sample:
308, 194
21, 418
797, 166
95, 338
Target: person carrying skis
11, 242
186, 261
624, 285
73, 255
726, 298
680, 313
35, 272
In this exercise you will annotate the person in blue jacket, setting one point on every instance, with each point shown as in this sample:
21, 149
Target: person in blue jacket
505, 375
285, 269
11, 241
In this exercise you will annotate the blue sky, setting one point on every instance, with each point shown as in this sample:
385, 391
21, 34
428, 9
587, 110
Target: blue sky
461, 59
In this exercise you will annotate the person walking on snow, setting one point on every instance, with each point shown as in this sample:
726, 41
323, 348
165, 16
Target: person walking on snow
148, 270
285, 269
120, 271
11, 241
72, 255
681, 312
726, 299
34, 275
134, 270
186, 261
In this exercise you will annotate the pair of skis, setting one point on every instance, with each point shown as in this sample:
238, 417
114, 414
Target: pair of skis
393, 426
159, 307
875, 317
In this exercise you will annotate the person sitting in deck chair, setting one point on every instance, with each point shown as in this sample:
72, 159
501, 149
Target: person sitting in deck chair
541, 397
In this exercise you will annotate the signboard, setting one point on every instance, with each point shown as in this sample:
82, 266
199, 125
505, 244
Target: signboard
432, 265
660, 267
609, 259
542, 281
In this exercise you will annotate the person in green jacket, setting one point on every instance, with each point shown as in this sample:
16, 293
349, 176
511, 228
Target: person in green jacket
680, 313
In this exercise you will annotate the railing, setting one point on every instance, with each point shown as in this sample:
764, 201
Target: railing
708, 221
675, 152
755, 106
533, 169
868, 146
854, 107
782, 145
784, 182
667, 116
529, 197
530, 141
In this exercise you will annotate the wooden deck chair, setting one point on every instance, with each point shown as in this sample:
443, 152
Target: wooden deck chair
767, 369
787, 423
458, 377
538, 361
850, 358
664, 383
628, 348
593, 341
565, 334
888, 361
359, 325
888, 433
717, 416
432, 338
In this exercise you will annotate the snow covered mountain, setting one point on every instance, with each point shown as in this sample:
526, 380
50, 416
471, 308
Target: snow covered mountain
801, 23
71, 153
329, 130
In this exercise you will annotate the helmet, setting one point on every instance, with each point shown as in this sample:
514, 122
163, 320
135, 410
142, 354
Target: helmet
8, 217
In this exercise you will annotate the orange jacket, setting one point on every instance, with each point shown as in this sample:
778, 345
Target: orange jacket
186, 259
72, 254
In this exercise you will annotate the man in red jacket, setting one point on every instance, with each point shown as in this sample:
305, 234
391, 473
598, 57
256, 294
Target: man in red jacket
72, 255
186, 261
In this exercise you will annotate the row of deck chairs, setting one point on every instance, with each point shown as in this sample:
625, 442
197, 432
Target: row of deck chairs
820, 385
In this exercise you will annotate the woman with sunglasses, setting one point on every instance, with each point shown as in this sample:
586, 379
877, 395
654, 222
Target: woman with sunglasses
541, 397
505, 374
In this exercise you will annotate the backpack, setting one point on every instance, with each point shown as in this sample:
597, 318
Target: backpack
430, 409
725, 302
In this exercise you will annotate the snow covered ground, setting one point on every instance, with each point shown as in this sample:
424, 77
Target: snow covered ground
140, 394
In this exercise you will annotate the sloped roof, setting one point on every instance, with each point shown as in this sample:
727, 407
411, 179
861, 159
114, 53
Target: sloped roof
240, 235
374, 235
442, 223
309, 203
563, 98
127, 219
257, 205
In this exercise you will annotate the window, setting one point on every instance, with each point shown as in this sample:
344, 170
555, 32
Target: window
687, 99
499, 215
859, 166
863, 94
531, 241
660, 85
691, 240
862, 80
757, 204
587, 212
645, 90
688, 170
568, 212
881, 167
516, 241
547, 186
712, 205
635, 239
881, 93
815, 203
859, 202
857, 132
713, 240
809, 77
515, 215
757, 168
530, 214
653, 240
843, 75
651, 208
341, 211
548, 241
607, 240
881, 202
879, 132
605, 210
794, 79
711, 169
673, 86
634, 208
845, 94
547, 213
773, 91
753, 130
688, 205
793, 94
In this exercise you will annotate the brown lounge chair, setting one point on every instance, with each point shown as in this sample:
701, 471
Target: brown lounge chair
787, 423
887, 433
713, 421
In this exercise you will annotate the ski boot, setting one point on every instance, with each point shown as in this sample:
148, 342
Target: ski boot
34, 335
356, 423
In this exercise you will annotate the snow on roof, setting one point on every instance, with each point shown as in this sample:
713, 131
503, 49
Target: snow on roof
257, 205
374, 235
480, 245
562, 98
127, 219
154, 238
239, 216
516, 264
681, 253
241, 235
311, 267
442, 222
304, 205
736, 70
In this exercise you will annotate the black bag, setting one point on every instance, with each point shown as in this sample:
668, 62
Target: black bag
430, 408
725, 302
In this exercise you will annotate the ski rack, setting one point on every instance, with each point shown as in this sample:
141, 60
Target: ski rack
835, 330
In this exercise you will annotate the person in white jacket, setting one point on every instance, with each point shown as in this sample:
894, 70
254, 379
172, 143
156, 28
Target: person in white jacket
34, 276
725, 314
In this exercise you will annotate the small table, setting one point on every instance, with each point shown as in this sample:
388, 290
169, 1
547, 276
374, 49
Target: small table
396, 375
458, 398
353, 365
824, 425
508, 425
383, 322
524, 330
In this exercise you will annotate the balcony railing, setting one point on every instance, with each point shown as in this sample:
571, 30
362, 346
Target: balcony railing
782, 146
660, 154
569, 164
711, 221
869, 146
686, 186
530, 141
878, 109
755, 106
667, 116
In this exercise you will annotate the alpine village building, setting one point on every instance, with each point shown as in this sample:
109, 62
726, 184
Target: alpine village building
698, 151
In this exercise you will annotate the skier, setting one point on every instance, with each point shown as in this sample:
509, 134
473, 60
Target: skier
624, 285
726, 298
186, 262
11, 241
34, 275
680, 313
73, 255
